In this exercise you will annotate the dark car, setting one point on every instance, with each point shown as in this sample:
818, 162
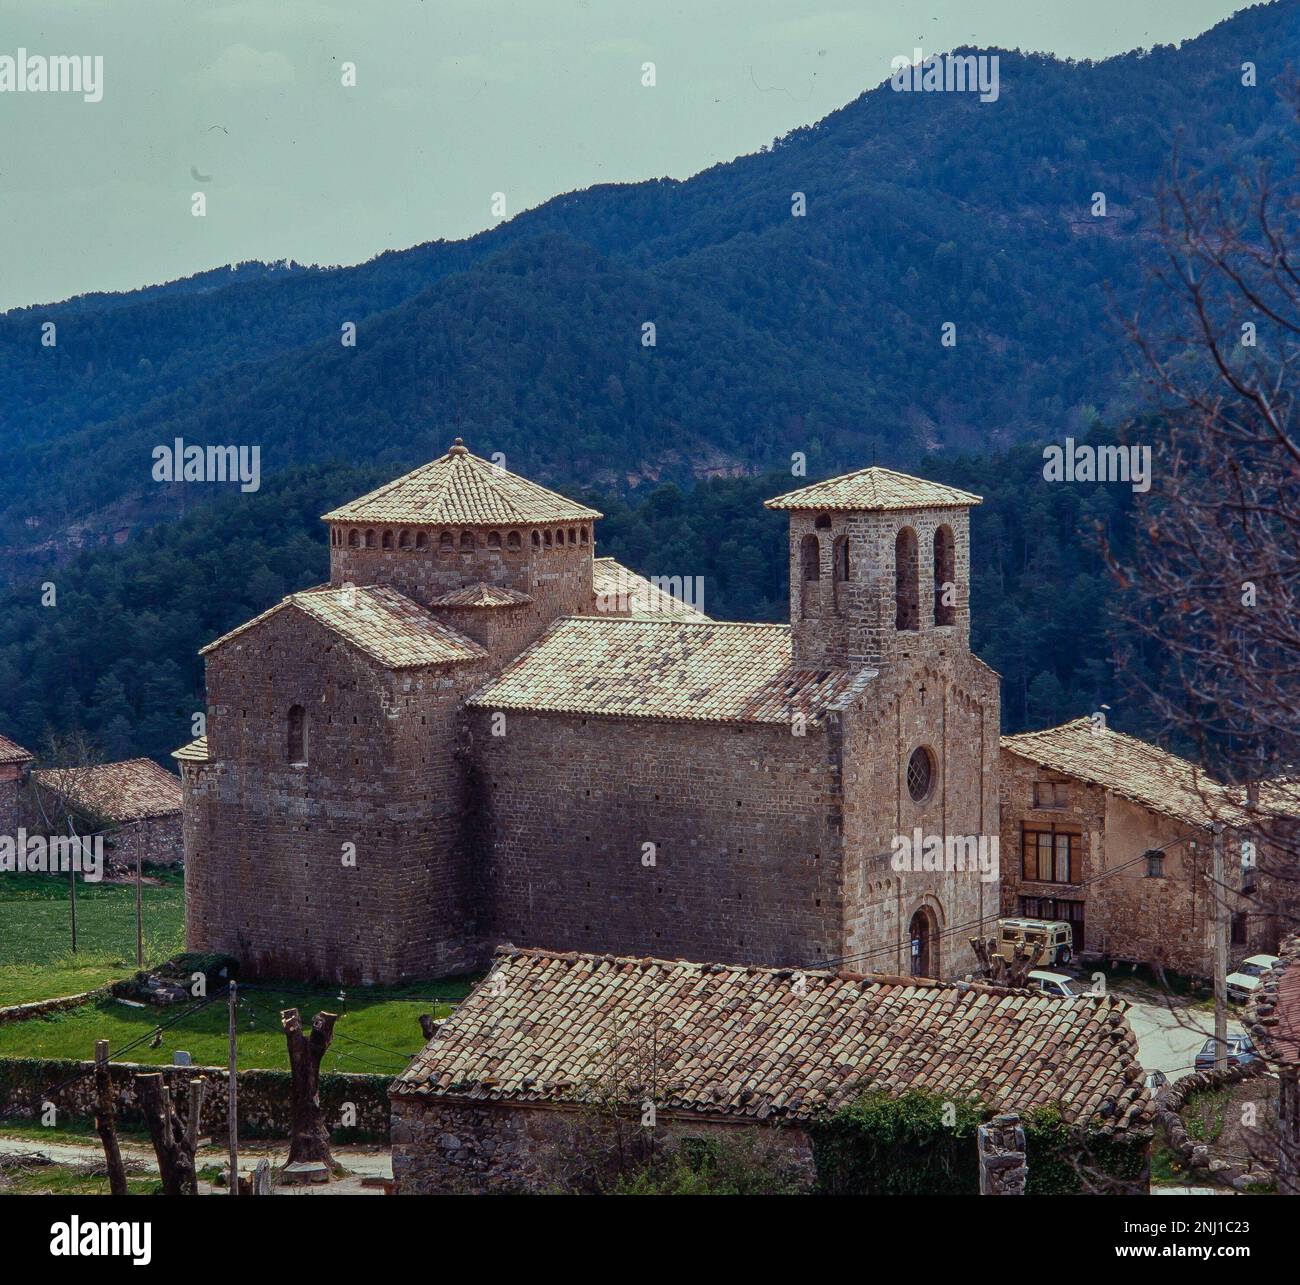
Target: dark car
1240, 1051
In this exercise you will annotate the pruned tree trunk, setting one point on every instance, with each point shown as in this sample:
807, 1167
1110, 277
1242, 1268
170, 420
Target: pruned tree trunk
170, 1137
106, 1121
996, 968
309, 1136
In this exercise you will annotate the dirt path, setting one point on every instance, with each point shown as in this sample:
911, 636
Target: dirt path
361, 1162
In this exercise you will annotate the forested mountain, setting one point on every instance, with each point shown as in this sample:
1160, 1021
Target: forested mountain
116, 655
774, 333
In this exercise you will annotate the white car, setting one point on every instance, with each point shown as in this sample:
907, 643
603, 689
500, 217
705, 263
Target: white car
1242, 984
1058, 985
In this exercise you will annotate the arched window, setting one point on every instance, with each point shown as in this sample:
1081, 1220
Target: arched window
907, 603
810, 558
512, 541
446, 541
823, 522
945, 577
573, 537
494, 539
297, 734
582, 534
354, 539
810, 573
537, 540
466, 541
548, 537
421, 540
840, 562
388, 539
404, 540
370, 539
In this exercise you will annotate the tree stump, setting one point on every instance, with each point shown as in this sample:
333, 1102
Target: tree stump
309, 1136
170, 1137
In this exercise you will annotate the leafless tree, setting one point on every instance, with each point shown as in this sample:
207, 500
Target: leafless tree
1213, 584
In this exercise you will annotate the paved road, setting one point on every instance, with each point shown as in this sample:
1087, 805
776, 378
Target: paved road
1169, 1039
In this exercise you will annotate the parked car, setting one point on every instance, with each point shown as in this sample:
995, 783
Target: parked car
1240, 1051
1059, 985
1057, 935
1242, 983
1156, 1080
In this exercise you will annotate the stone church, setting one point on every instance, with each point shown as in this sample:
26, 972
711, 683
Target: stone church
480, 732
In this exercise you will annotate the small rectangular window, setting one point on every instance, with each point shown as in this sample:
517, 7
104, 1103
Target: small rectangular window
1049, 794
1155, 865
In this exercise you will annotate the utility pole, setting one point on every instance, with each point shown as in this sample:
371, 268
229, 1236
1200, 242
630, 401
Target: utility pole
1220, 954
139, 924
232, 1093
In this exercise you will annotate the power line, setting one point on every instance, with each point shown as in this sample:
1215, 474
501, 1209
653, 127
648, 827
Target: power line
51, 1090
975, 923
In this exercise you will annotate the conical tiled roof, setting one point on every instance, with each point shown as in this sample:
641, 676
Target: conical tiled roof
460, 489
875, 488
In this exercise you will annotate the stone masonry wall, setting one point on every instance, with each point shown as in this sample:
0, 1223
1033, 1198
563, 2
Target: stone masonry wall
852, 623
155, 841
10, 793
265, 1098
557, 576
442, 1147
948, 706
267, 839
745, 823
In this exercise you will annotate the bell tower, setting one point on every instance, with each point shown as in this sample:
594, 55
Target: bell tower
879, 569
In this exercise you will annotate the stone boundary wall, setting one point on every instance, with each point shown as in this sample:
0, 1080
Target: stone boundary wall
40, 1007
445, 1147
264, 1096
1196, 1155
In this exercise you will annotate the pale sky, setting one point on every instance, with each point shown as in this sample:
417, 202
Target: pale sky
455, 100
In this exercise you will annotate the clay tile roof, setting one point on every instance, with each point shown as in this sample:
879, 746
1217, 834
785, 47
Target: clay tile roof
875, 488
195, 752
460, 489
1280, 797
376, 620
622, 592
12, 752
482, 595
1273, 1015
129, 791
1133, 769
661, 668
734, 1040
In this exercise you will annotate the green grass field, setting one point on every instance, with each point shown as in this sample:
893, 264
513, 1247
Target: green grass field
378, 1030
36, 960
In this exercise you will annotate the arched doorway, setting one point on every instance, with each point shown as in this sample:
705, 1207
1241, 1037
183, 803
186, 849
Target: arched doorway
923, 942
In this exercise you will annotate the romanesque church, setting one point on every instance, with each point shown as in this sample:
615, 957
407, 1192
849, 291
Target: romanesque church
480, 732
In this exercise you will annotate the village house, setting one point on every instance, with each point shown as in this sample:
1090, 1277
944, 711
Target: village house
135, 804
1114, 836
470, 735
526, 1086
15, 765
